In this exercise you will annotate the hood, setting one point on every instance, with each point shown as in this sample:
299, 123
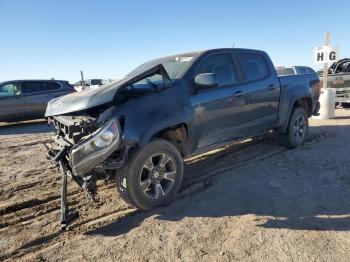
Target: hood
88, 99
83, 100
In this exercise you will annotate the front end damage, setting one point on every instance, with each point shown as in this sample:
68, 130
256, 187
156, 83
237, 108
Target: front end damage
86, 151
89, 142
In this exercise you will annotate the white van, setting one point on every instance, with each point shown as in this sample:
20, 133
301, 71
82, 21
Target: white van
89, 84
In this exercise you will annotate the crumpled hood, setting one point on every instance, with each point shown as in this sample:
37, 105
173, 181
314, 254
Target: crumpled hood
88, 99
83, 100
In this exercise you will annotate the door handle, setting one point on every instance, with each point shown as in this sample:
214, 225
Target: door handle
238, 93
272, 87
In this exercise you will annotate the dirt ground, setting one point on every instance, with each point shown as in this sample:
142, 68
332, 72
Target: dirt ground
254, 201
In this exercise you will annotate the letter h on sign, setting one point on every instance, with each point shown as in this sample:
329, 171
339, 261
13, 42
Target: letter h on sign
320, 57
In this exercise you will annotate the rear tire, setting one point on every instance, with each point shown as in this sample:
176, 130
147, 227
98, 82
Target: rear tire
297, 130
152, 175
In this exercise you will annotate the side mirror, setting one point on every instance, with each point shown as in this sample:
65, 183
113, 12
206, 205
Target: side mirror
205, 80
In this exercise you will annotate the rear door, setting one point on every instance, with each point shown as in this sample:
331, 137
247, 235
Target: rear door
262, 87
11, 102
37, 95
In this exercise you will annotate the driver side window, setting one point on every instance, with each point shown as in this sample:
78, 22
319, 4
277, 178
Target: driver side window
10, 89
222, 66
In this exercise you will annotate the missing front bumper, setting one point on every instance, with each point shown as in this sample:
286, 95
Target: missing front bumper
59, 153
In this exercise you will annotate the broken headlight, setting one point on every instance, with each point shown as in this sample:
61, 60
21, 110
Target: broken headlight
88, 154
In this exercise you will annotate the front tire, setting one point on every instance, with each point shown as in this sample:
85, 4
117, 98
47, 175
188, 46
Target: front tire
152, 175
297, 130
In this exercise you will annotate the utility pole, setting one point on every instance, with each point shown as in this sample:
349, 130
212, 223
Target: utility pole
325, 69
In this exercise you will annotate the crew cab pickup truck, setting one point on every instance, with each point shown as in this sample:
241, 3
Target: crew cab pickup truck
339, 80
139, 129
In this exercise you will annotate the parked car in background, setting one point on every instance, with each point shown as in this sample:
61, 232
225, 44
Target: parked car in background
294, 70
140, 128
90, 84
27, 99
339, 80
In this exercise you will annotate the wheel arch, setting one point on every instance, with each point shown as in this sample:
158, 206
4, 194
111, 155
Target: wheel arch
175, 134
303, 102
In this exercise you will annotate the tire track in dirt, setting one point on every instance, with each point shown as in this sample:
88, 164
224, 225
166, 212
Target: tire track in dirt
46, 213
198, 175
91, 222
40, 206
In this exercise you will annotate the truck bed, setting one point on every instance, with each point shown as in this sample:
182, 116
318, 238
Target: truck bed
297, 82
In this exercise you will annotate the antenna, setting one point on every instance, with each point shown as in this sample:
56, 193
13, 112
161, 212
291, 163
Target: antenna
233, 44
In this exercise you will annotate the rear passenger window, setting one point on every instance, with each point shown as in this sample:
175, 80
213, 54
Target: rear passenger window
254, 66
37, 86
48, 86
31, 87
222, 66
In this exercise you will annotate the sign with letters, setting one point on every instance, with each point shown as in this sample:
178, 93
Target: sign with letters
326, 54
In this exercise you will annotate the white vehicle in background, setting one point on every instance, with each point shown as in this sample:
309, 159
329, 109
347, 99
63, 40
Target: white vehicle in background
294, 70
90, 84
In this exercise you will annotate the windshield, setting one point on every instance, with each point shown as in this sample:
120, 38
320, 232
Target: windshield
96, 81
175, 65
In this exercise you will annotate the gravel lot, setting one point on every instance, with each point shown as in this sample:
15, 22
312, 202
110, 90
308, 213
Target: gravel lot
254, 201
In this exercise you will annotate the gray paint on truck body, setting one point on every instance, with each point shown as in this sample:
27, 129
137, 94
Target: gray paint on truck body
211, 116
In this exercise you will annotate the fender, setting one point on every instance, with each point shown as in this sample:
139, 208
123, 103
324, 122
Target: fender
284, 120
162, 110
290, 93
146, 136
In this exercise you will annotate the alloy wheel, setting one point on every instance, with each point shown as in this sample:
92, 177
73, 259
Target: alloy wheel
299, 128
157, 175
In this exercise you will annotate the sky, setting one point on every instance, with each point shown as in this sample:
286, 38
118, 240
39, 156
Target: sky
107, 39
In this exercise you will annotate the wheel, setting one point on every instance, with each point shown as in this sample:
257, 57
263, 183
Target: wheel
152, 175
297, 130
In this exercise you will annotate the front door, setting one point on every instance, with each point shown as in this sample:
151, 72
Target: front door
11, 102
218, 111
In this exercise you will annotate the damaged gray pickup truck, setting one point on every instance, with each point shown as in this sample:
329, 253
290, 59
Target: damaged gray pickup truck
139, 129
